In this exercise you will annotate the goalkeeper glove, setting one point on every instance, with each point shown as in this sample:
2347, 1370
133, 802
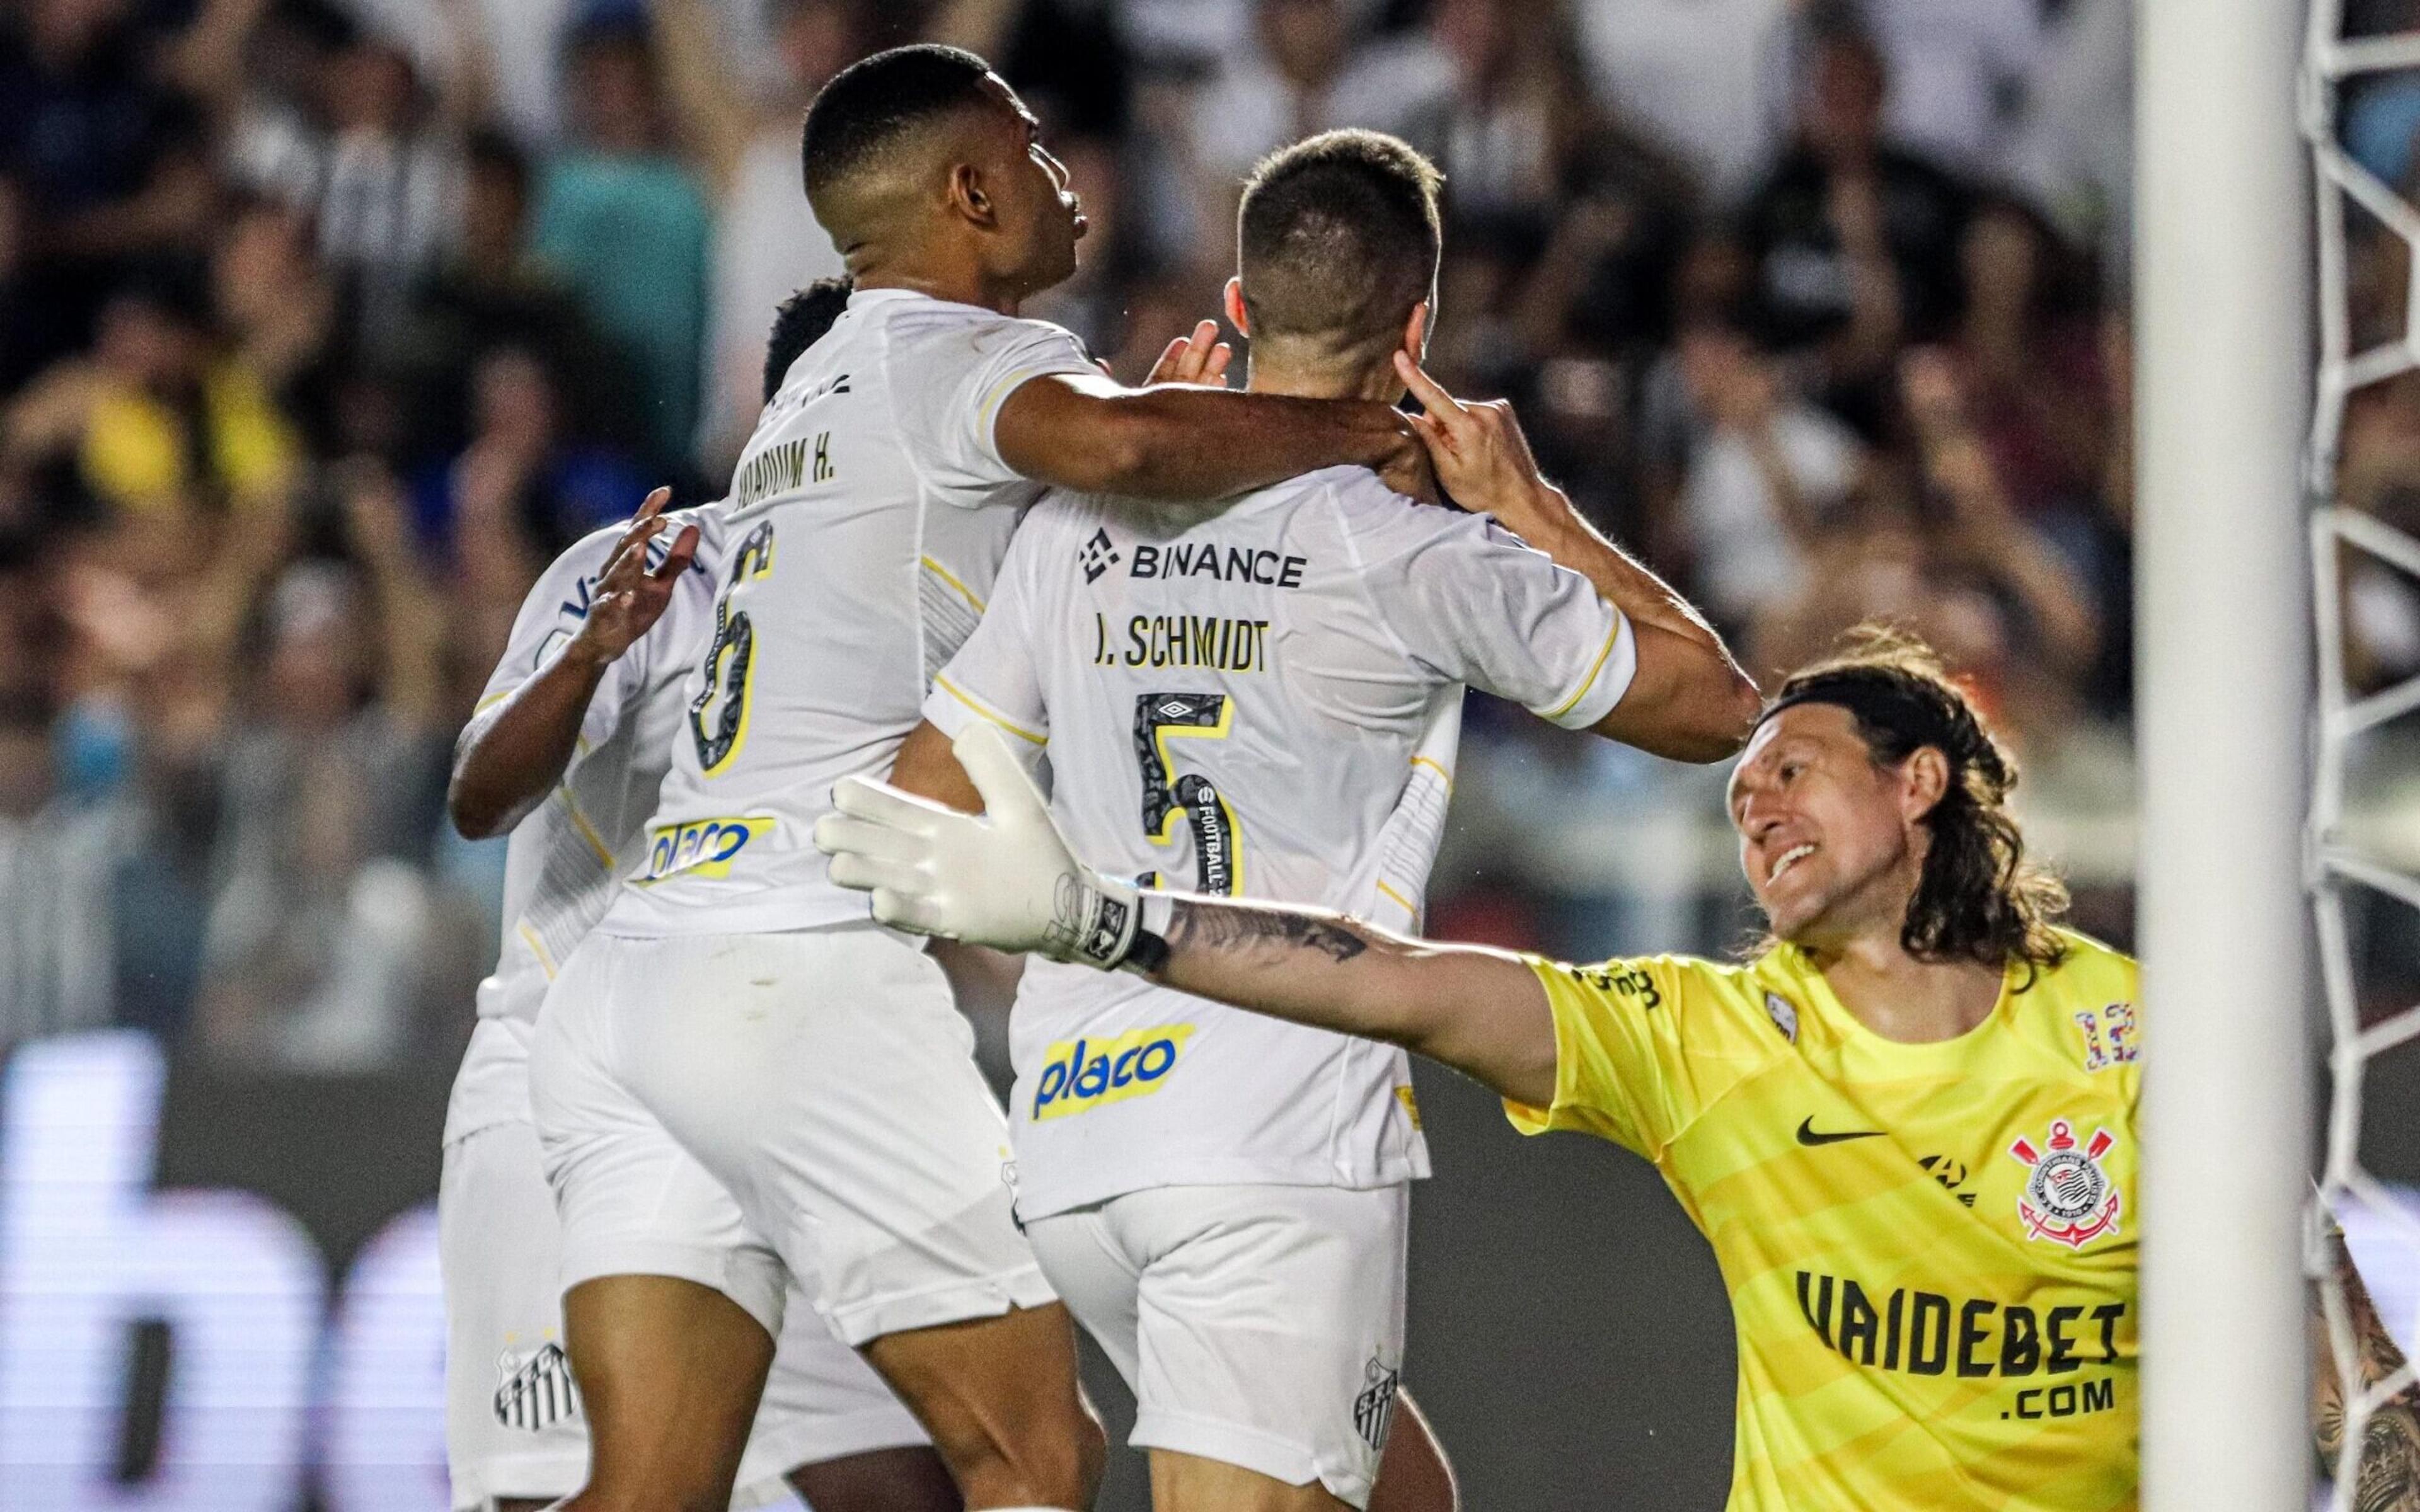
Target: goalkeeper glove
1005, 878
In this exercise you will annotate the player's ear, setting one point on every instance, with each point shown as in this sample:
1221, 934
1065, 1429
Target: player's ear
1232, 297
1923, 783
1416, 331
967, 196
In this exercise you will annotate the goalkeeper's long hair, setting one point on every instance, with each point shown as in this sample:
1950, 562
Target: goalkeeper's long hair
1979, 898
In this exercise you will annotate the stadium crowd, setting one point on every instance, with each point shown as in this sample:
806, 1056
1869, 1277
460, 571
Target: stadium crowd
324, 323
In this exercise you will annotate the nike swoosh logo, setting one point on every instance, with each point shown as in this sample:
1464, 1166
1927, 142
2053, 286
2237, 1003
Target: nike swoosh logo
1807, 1134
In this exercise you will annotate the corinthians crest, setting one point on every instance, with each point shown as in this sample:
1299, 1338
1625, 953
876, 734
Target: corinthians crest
2069, 1198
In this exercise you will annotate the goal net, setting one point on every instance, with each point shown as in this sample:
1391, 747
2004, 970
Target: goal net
2363, 878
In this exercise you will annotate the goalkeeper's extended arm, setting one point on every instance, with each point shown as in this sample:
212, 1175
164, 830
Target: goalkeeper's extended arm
1007, 879
1479, 1010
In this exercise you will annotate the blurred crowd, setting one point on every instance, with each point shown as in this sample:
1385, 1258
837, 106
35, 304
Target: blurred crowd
324, 323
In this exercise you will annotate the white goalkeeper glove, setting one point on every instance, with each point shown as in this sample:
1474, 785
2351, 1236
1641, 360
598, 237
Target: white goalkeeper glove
1005, 879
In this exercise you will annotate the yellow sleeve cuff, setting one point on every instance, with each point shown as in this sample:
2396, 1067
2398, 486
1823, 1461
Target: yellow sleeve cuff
1523, 1116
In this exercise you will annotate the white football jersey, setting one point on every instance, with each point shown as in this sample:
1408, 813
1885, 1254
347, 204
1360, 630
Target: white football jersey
1267, 701
865, 524
564, 863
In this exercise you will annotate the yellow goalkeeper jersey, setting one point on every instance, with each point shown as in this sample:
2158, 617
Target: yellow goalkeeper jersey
1929, 1248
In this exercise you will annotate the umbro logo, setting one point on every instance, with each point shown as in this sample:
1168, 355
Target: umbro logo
1808, 1134
1098, 556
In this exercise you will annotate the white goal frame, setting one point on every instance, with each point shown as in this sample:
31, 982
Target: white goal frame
2221, 694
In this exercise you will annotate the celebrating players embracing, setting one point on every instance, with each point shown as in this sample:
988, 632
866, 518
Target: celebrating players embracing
1270, 700
566, 749
733, 1002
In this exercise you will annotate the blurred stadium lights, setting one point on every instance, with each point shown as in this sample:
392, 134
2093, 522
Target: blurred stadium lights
258, 1366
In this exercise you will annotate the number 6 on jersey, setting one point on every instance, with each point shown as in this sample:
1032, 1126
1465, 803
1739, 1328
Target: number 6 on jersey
730, 662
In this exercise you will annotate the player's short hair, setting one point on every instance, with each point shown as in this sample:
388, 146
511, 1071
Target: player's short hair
799, 322
1979, 899
1339, 237
868, 106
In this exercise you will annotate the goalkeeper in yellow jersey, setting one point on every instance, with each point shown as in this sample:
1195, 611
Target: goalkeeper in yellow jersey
1907, 1127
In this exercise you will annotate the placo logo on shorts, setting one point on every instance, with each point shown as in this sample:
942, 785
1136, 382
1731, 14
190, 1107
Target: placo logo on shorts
1080, 1075
700, 847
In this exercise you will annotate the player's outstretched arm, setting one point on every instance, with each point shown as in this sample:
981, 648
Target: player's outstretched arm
1182, 442
1007, 880
1480, 1012
2386, 1470
509, 757
1689, 700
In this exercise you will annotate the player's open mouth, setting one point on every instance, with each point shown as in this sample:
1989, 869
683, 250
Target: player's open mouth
1787, 859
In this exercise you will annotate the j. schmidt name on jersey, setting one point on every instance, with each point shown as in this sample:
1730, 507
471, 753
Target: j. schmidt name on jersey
1205, 641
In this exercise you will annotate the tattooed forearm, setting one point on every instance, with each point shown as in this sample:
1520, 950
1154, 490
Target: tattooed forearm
1482, 1012
1194, 926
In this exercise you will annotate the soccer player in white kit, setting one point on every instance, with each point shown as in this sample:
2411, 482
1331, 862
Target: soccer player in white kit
1269, 700
733, 999
607, 635
567, 750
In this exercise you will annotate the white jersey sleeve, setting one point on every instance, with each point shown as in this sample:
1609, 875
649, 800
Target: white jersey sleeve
948, 379
1474, 604
553, 613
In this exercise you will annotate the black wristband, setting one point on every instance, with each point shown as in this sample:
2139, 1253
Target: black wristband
1147, 956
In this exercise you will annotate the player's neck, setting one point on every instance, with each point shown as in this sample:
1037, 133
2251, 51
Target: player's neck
1308, 381
1901, 997
964, 285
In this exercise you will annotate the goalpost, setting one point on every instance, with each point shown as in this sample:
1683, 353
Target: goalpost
2221, 312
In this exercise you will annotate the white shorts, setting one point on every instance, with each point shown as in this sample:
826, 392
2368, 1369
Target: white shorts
513, 1424
1257, 1325
826, 1080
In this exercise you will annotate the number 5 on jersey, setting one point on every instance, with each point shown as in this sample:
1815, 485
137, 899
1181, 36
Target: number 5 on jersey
1167, 797
718, 717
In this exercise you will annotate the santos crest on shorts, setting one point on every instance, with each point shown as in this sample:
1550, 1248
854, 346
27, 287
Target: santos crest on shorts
1265, 700
865, 523
1929, 1248
563, 861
